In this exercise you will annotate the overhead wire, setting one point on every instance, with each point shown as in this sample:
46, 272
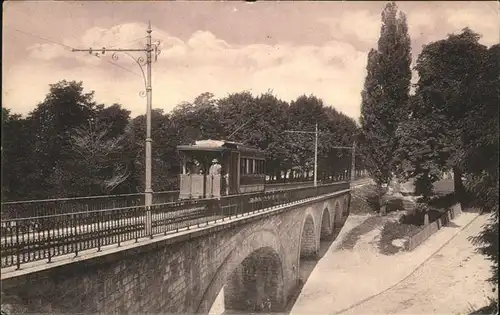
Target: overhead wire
124, 43
69, 47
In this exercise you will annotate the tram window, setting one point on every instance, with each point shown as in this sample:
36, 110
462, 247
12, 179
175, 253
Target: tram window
243, 166
250, 166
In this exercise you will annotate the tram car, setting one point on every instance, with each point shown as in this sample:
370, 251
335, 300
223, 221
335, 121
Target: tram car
215, 168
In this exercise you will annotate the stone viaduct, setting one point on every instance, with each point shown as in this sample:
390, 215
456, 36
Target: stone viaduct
256, 259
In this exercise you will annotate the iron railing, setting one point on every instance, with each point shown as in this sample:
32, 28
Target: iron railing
25, 240
46, 207
34, 208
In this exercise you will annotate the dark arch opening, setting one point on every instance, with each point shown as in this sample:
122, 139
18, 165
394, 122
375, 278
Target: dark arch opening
256, 285
308, 248
345, 210
326, 225
309, 254
338, 216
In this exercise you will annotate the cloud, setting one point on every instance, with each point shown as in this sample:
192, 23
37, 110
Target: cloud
333, 71
427, 25
420, 23
359, 25
485, 22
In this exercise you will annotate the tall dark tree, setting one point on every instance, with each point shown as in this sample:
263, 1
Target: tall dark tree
114, 118
423, 149
65, 108
164, 157
96, 166
450, 78
456, 124
385, 94
303, 114
17, 139
342, 131
482, 154
198, 119
257, 121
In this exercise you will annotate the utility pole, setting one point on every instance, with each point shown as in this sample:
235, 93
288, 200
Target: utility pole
315, 151
149, 49
353, 165
316, 158
353, 148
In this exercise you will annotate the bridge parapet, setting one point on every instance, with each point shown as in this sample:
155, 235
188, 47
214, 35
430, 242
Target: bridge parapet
26, 240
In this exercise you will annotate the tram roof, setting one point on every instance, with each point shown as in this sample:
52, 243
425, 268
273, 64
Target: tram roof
218, 145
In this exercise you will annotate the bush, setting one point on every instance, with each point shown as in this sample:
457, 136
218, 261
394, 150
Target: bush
443, 202
394, 204
372, 201
417, 216
391, 204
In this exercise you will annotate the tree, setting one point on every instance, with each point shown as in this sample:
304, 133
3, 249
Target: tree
385, 95
114, 117
481, 158
164, 156
449, 83
342, 132
458, 89
257, 121
96, 167
65, 108
16, 146
303, 115
198, 119
423, 151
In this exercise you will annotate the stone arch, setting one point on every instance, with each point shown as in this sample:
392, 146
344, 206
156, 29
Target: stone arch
338, 214
308, 243
326, 225
257, 249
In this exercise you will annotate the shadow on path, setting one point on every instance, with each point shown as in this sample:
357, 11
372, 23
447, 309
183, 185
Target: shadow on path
353, 236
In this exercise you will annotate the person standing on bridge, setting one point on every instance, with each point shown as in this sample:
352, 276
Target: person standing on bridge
215, 172
215, 169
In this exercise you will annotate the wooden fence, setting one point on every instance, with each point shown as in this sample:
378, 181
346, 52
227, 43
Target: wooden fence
422, 235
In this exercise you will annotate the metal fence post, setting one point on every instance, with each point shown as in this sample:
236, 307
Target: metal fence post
149, 222
18, 250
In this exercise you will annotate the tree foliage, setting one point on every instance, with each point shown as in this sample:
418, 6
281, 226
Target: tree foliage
482, 154
82, 148
422, 151
385, 94
450, 72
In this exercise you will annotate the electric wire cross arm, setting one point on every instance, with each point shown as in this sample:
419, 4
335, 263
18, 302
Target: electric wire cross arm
151, 50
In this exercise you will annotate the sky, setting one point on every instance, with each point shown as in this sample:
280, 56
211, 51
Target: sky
222, 47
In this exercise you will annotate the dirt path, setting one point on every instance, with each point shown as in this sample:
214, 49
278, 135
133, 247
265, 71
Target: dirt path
353, 270
450, 282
